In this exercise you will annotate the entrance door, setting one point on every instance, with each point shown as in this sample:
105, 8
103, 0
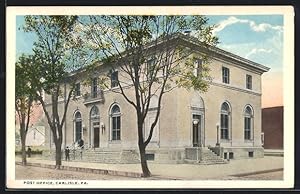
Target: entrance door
96, 137
196, 130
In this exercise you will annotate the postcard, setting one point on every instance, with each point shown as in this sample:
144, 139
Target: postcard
150, 97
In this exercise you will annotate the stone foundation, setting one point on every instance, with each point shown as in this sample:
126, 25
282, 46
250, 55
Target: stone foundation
238, 153
161, 155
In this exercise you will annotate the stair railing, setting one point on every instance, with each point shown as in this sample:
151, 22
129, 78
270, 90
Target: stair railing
74, 148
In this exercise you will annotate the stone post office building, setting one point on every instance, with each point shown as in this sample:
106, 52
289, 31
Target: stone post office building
222, 123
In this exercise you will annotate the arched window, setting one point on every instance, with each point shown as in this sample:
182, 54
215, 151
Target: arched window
115, 115
225, 119
248, 119
78, 126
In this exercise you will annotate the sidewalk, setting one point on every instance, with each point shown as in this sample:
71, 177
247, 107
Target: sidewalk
176, 171
274, 152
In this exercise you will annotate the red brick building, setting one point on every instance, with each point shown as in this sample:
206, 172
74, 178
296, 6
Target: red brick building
272, 127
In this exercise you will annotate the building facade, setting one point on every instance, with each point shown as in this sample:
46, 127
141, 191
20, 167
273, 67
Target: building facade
36, 129
272, 127
225, 120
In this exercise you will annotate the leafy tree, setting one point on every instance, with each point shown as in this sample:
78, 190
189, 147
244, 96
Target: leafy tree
25, 96
146, 52
57, 52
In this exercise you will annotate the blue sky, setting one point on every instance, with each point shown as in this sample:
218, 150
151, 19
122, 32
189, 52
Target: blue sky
24, 40
257, 37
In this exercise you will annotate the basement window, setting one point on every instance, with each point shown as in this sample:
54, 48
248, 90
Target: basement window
230, 155
225, 155
149, 156
250, 154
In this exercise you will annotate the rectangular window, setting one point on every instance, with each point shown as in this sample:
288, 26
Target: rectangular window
250, 154
149, 156
77, 89
114, 79
224, 126
198, 67
249, 82
225, 155
247, 123
94, 87
225, 75
116, 126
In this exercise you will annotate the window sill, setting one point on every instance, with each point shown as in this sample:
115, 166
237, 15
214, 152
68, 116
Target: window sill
225, 140
115, 141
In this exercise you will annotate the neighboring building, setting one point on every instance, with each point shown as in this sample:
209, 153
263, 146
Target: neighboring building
36, 130
272, 127
188, 121
35, 136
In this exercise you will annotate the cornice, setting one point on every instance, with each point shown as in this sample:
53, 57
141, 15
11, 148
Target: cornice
235, 88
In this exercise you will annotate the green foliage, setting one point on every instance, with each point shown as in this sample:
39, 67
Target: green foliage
19, 152
24, 85
57, 50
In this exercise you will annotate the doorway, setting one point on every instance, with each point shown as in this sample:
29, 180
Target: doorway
96, 137
196, 130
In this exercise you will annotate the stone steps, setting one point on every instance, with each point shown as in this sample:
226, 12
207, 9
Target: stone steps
104, 156
206, 157
210, 162
98, 156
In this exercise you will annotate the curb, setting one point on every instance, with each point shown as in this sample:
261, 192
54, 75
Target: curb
257, 172
87, 170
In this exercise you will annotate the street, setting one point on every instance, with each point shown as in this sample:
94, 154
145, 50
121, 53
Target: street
30, 172
277, 175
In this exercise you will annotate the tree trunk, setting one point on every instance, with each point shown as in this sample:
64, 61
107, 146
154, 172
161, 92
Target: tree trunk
142, 146
24, 161
57, 155
23, 140
145, 169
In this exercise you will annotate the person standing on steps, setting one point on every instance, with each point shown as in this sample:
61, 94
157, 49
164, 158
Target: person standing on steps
81, 145
29, 152
67, 153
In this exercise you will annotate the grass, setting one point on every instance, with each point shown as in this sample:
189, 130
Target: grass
34, 149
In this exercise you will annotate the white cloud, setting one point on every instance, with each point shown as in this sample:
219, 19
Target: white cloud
262, 27
224, 23
268, 52
256, 50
